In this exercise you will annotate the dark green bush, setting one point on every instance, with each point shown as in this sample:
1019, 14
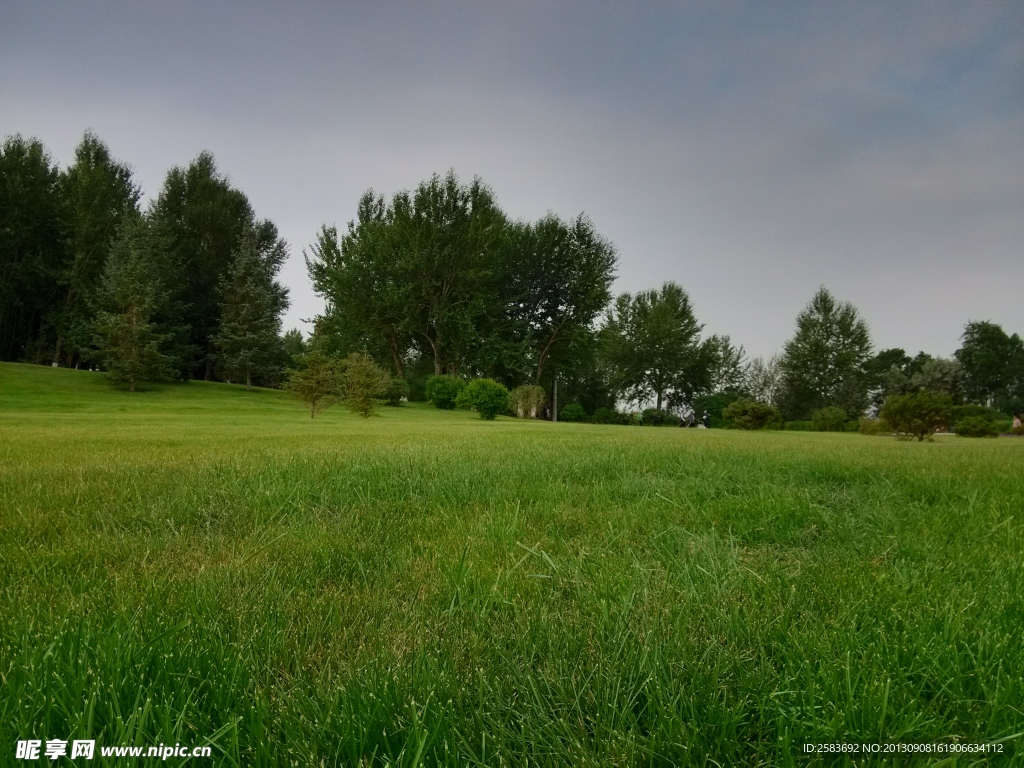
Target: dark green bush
976, 426
658, 417
604, 415
851, 426
572, 412
830, 419
397, 389
443, 391
976, 412
715, 404
918, 414
798, 426
485, 396
751, 414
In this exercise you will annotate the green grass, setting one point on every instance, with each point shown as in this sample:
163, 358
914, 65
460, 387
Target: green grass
195, 562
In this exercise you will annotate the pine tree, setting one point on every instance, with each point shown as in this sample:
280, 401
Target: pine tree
248, 343
130, 344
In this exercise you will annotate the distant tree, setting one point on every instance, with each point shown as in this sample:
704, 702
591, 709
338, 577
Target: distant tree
762, 379
363, 383
248, 341
823, 364
130, 345
917, 414
398, 389
293, 346
204, 216
526, 401
99, 196
829, 419
33, 246
728, 364
317, 380
993, 366
556, 283
877, 370
485, 396
651, 344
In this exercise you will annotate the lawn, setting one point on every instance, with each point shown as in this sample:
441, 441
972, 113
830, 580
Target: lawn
194, 563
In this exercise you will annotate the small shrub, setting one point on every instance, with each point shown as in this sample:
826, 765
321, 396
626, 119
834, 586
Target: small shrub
572, 412
485, 396
317, 380
830, 419
851, 426
397, 389
868, 426
656, 417
526, 401
976, 426
918, 414
751, 414
974, 411
443, 391
363, 382
604, 415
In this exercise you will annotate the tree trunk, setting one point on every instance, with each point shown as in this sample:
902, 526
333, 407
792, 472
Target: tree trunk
56, 351
312, 409
131, 384
248, 379
659, 401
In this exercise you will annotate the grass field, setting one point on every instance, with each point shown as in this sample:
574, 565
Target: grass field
195, 563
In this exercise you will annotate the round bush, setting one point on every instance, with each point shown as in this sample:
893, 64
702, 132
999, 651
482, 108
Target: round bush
604, 415
976, 426
443, 391
831, 419
918, 414
397, 389
485, 396
751, 414
572, 412
655, 417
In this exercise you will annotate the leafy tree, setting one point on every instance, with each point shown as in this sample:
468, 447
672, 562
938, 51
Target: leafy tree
99, 196
204, 217
715, 404
485, 396
651, 343
918, 414
317, 380
823, 364
728, 365
556, 283
572, 412
248, 343
526, 401
363, 383
878, 369
293, 346
131, 346
993, 366
762, 379
750, 414
443, 391
33, 245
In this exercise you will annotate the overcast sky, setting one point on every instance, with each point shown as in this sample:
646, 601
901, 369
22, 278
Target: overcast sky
749, 151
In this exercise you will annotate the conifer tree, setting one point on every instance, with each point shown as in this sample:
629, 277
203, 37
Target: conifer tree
130, 344
249, 344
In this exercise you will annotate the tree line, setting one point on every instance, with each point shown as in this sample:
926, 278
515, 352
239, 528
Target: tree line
185, 288
436, 281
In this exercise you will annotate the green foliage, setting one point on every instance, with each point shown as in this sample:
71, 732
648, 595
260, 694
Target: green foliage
526, 401
398, 389
604, 415
976, 426
993, 365
868, 426
750, 414
823, 364
658, 417
248, 342
317, 380
294, 347
130, 345
485, 396
715, 404
572, 412
363, 383
651, 345
830, 419
443, 391
918, 414
975, 411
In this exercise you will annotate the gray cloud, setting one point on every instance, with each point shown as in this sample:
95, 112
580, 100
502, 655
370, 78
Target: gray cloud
750, 152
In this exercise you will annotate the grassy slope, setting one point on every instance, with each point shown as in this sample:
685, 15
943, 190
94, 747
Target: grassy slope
198, 561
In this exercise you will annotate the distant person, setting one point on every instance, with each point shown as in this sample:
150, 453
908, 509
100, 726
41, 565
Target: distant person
706, 418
